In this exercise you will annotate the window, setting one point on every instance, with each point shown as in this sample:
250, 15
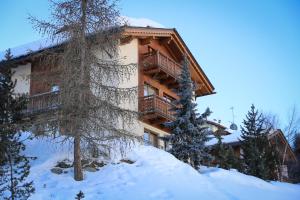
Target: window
168, 98
146, 138
149, 90
150, 138
168, 146
55, 88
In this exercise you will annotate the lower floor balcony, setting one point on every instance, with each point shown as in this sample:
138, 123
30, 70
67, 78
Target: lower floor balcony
152, 108
43, 102
155, 109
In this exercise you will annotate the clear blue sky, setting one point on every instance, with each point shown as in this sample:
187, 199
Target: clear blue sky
250, 50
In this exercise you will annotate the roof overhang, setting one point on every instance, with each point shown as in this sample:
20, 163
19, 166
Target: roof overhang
280, 135
173, 38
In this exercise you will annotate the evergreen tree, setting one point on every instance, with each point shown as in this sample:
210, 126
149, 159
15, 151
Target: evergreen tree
272, 162
259, 158
233, 161
220, 152
14, 165
80, 195
224, 155
294, 168
188, 136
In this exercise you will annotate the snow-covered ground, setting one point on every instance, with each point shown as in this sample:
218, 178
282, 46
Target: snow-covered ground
155, 174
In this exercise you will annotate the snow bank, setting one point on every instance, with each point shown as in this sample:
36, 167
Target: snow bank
155, 174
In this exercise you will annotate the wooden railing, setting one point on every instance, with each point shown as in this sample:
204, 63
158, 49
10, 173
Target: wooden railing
154, 104
43, 102
165, 63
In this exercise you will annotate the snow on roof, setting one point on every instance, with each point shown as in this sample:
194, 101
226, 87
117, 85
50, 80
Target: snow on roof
29, 47
235, 136
141, 22
46, 43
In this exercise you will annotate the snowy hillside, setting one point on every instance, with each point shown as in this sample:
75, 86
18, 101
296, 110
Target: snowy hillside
155, 174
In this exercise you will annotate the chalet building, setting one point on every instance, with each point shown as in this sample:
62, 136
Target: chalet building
158, 53
276, 137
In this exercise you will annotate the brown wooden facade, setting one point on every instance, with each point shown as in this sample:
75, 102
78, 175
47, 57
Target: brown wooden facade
161, 52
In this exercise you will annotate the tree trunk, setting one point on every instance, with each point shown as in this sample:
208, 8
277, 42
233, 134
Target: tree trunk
283, 159
78, 175
12, 188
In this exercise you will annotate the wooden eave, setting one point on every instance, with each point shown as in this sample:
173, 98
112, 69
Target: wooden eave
216, 124
144, 32
284, 141
173, 35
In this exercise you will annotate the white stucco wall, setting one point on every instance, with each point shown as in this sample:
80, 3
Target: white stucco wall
128, 54
22, 75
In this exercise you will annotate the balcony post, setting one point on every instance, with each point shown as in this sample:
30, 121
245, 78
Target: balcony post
157, 58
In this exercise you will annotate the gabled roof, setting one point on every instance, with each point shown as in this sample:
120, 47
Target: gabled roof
173, 38
171, 35
278, 133
216, 124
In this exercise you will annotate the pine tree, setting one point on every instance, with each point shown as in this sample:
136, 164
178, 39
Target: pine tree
80, 195
224, 155
188, 136
233, 161
259, 158
294, 168
14, 165
272, 162
220, 152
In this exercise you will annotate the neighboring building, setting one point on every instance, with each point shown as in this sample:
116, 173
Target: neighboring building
276, 137
158, 53
217, 128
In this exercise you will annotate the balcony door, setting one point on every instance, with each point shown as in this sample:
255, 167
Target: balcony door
149, 90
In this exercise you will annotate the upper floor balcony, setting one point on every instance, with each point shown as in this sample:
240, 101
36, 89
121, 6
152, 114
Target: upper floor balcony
43, 102
161, 68
156, 109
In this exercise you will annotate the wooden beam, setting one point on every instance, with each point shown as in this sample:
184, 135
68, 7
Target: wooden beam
171, 80
126, 40
161, 76
146, 40
152, 71
166, 42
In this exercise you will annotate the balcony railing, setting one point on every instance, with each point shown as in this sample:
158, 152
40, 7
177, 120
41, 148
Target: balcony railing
154, 106
163, 63
43, 102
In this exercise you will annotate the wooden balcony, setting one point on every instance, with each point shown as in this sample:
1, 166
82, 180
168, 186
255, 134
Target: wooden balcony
42, 103
155, 109
161, 68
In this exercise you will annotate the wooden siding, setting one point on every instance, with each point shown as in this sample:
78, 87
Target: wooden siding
43, 77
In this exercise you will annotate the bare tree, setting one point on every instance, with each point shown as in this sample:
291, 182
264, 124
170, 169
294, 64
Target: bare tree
291, 129
271, 120
95, 106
